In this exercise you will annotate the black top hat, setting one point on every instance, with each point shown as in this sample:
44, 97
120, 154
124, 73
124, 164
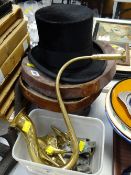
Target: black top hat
65, 32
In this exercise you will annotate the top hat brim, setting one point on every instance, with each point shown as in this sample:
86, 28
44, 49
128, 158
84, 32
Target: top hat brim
85, 74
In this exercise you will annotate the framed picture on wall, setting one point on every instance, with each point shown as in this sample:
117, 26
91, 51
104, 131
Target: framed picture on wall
118, 34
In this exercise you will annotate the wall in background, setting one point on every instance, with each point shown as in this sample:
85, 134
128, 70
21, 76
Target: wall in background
108, 7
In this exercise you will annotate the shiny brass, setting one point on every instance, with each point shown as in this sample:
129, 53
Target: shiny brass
23, 123
50, 150
75, 146
29, 132
62, 137
52, 141
51, 146
37, 146
44, 155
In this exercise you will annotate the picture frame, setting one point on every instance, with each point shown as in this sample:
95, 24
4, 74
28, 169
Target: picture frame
112, 30
123, 69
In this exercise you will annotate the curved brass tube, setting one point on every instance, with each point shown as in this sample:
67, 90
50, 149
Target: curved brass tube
75, 148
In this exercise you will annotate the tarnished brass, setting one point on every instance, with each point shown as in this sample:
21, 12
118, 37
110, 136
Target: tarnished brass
62, 137
47, 141
44, 155
50, 145
39, 147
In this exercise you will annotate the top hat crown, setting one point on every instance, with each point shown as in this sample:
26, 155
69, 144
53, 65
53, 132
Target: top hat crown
65, 32
65, 28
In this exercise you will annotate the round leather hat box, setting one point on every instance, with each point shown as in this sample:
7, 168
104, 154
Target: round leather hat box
42, 101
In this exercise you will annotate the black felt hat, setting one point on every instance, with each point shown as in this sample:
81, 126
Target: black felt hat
65, 32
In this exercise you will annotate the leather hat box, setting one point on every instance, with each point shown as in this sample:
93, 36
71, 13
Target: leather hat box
9, 19
14, 58
46, 86
11, 38
42, 101
7, 109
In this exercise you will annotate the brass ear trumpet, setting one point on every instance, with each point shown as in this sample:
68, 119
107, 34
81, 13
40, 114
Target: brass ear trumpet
40, 149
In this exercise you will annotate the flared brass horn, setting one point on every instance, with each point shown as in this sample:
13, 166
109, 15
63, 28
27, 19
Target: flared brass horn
36, 150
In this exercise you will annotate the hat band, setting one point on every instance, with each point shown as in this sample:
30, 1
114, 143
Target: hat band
57, 59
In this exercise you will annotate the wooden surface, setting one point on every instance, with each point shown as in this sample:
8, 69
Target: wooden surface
11, 39
108, 8
9, 84
126, 15
9, 19
13, 60
121, 154
6, 105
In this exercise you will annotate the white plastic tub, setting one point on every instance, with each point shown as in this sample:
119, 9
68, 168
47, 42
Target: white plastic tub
85, 127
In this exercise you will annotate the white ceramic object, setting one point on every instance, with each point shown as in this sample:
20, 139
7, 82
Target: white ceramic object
85, 127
